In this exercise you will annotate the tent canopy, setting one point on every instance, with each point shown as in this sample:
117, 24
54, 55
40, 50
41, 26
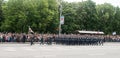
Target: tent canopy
90, 32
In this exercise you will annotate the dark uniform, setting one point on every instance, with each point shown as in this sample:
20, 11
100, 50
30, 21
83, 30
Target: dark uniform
32, 39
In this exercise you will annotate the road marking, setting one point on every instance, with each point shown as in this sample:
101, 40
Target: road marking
97, 54
29, 49
45, 56
10, 49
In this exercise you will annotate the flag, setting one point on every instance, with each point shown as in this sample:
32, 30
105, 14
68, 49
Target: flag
30, 30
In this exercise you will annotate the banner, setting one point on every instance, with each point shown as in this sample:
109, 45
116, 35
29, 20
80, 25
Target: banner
62, 20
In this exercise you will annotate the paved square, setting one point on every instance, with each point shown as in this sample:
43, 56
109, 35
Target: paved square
109, 50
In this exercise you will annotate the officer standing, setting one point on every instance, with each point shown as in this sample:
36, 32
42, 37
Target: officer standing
32, 39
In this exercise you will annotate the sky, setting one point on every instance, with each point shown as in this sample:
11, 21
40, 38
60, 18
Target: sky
113, 2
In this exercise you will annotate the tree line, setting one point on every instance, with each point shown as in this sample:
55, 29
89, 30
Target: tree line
43, 16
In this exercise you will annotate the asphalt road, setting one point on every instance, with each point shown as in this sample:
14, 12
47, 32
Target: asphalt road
109, 50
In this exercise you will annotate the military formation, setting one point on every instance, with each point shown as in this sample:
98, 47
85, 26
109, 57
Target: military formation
72, 40
63, 39
79, 41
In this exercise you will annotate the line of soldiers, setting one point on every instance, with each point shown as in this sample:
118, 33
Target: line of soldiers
79, 41
72, 40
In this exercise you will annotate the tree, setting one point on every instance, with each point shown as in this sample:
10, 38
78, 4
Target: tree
86, 14
1, 13
69, 11
39, 14
106, 17
116, 25
14, 16
43, 16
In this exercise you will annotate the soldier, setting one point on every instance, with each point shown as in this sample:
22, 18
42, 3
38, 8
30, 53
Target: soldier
24, 38
1, 37
42, 40
32, 39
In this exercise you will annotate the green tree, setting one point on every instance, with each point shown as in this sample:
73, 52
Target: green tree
1, 13
87, 15
69, 11
106, 17
43, 16
116, 26
14, 16
39, 14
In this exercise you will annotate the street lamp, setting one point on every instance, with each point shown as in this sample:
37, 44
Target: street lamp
60, 13
60, 10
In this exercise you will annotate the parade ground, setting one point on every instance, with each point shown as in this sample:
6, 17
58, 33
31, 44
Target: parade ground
15, 50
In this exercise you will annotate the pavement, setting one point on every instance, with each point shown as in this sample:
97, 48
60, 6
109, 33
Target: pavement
108, 50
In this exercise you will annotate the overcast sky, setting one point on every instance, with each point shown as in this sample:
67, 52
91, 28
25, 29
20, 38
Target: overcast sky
113, 2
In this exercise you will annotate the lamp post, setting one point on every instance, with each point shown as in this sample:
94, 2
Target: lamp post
60, 11
60, 14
